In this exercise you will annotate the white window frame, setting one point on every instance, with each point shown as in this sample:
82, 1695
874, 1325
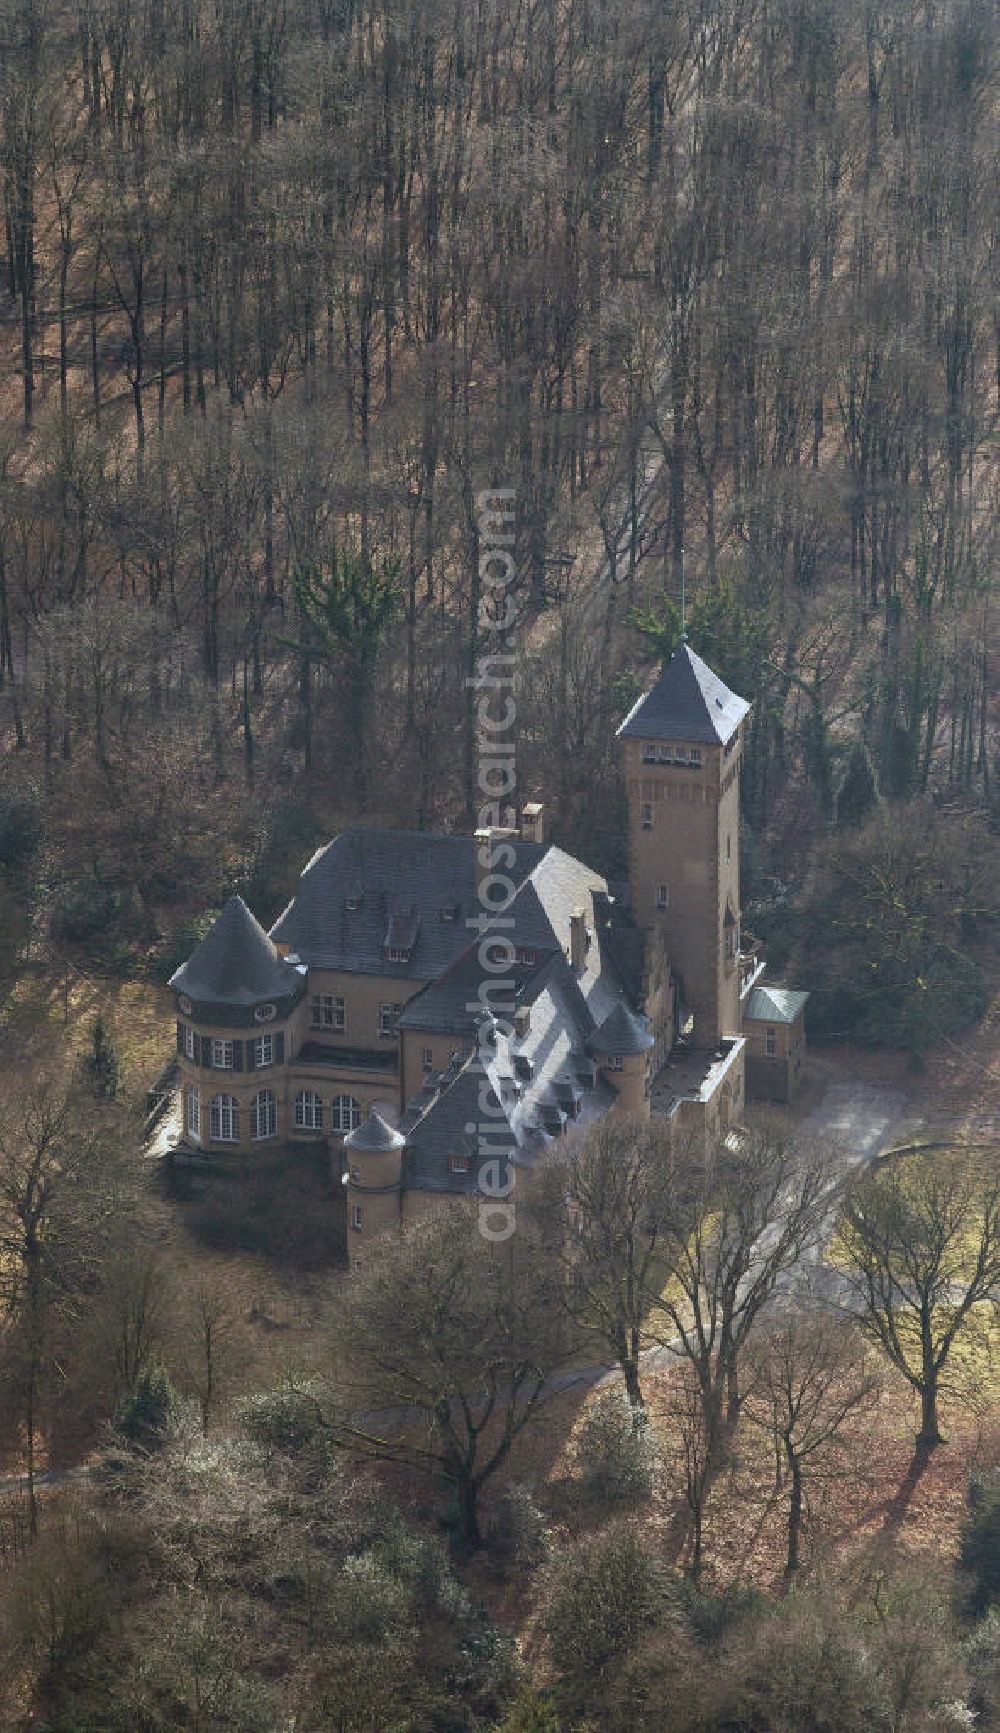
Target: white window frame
193, 1113
339, 1113
647, 815
396, 954
190, 1043
327, 1011
614, 1062
427, 1058
263, 1116
388, 1013
224, 1119
308, 1111
694, 757
263, 1052
222, 1055
459, 1164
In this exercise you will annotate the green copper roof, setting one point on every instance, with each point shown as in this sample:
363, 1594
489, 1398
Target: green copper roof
774, 1005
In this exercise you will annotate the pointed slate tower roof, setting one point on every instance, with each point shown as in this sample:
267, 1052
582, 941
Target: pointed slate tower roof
236, 963
374, 1137
686, 702
623, 1033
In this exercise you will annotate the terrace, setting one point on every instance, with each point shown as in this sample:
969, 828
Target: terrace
693, 1074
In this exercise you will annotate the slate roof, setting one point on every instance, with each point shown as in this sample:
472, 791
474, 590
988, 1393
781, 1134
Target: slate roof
374, 1136
435, 1130
416, 871
774, 1005
442, 1006
686, 702
236, 963
622, 1032
558, 886
622, 943
540, 913
535, 1078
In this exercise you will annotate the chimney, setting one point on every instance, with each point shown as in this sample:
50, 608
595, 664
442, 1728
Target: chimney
533, 821
578, 941
488, 843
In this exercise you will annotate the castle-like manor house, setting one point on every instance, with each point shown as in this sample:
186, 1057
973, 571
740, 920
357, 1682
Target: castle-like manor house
368, 1022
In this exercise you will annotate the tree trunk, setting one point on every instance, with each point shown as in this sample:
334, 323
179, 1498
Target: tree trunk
633, 1388
794, 1511
930, 1434
468, 1513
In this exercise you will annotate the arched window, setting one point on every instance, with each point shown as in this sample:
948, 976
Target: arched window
225, 1119
193, 1113
263, 1115
308, 1111
345, 1113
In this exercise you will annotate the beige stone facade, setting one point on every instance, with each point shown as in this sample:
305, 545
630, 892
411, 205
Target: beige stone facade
684, 871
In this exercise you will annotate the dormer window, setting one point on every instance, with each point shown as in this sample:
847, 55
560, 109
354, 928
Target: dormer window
449, 910
400, 937
649, 754
528, 958
680, 754
354, 898
665, 754
695, 757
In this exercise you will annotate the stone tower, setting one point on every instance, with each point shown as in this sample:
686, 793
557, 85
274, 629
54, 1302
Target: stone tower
682, 745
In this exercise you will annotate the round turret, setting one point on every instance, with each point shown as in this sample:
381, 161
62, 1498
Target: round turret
373, 1179
235, 995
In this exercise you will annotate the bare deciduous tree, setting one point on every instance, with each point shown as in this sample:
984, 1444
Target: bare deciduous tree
921, 1238
806, 1376
446, 1345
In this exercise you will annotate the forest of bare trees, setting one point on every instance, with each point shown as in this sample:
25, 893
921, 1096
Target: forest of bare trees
284, 283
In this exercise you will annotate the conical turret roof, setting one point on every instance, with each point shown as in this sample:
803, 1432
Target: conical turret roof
374, 1137
236, 963
686, 702
623, 1032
